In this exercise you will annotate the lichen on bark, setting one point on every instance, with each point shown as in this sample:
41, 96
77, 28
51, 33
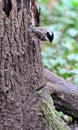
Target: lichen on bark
49, 113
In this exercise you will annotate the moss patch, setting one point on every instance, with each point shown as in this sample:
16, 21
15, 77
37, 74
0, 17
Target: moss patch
50, 115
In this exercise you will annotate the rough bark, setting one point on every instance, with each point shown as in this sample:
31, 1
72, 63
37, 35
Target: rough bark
22, 106
64, 93
20, 73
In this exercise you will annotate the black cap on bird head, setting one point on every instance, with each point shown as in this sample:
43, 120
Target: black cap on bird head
50, 36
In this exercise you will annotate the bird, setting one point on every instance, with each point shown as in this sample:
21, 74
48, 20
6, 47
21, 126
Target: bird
44, 34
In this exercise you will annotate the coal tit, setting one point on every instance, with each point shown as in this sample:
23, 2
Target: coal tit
42, 33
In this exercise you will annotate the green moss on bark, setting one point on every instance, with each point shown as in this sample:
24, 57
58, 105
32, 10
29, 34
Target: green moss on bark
50, 117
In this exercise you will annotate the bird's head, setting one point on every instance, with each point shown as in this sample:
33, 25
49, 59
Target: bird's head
50, 36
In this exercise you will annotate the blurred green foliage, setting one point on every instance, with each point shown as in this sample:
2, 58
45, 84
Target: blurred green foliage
62, 55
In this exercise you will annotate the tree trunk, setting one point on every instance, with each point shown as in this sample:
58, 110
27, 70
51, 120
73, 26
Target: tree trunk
25, 102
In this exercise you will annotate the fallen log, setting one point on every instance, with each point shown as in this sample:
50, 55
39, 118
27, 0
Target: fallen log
64, 93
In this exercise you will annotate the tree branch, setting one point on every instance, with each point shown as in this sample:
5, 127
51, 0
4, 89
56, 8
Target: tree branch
64, 93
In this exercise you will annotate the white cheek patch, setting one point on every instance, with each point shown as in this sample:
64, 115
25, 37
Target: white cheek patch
50, 33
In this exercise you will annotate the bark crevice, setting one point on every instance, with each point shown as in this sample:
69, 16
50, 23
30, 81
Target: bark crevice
7, 7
